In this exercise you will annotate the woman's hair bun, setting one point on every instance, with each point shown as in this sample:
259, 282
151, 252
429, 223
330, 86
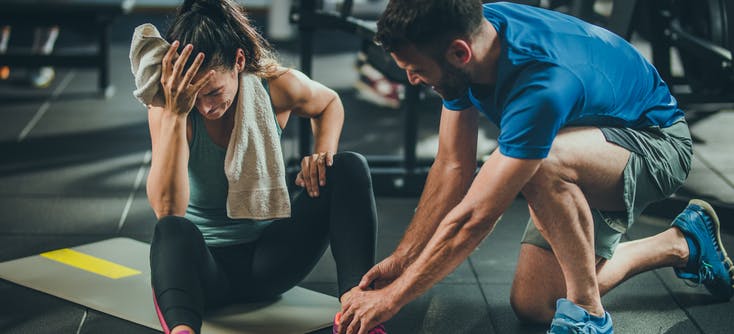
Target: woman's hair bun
205, 7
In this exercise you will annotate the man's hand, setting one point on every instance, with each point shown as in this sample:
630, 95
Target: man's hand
383, 273
364, 310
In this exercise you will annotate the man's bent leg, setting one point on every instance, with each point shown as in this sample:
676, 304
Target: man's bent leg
581, 158
538, 281
665, 249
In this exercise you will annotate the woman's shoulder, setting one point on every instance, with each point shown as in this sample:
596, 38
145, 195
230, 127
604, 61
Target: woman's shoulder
286, 77
288, 87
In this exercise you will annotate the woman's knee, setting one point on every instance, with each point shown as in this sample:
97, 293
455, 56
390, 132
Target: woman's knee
351, 165
175, 230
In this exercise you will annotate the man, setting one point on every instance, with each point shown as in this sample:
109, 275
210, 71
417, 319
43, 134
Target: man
589, 134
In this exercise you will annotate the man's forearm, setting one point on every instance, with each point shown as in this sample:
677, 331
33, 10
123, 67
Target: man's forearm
446, 185
455, 238
465, 226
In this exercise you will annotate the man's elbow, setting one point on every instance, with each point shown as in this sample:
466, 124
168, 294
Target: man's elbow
479, 224
461, 171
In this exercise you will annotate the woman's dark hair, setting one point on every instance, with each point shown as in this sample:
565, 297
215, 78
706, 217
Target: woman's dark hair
427, 24
218, 28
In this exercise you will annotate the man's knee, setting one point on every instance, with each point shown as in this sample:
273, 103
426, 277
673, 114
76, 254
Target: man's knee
552, 177
538, 283
530, 307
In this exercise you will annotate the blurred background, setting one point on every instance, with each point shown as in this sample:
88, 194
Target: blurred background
74, 147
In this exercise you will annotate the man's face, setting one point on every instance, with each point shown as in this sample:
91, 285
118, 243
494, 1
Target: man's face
447, 80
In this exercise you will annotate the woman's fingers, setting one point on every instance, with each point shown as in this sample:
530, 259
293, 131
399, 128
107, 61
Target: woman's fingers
330, 158
314, 175
299, 179
306, 175
313, 172
167, 61
181, 61
199, 84
322, 169
193, 69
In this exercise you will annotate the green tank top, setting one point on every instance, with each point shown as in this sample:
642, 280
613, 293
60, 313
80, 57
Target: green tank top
208, 191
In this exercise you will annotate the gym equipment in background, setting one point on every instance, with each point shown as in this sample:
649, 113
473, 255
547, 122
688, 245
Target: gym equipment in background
92, 17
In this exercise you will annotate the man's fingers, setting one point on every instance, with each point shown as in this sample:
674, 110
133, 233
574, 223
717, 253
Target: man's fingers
367, 279
353, 326
345, 321
363, 328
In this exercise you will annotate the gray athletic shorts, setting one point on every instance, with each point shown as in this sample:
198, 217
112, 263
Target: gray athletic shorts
659, 163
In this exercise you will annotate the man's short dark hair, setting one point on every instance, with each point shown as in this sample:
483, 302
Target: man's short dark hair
427, 24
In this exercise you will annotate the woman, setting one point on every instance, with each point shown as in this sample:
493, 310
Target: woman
200, 258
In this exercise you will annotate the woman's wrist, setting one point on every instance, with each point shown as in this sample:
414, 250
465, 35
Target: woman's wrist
173, 114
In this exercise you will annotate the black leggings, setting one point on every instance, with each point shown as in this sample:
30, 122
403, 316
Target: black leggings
189, 277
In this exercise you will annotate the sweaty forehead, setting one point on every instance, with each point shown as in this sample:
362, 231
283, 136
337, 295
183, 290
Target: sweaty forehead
216, 78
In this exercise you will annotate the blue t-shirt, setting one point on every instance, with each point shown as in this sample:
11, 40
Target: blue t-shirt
554, 71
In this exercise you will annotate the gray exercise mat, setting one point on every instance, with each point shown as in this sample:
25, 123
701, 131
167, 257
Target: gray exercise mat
113, 276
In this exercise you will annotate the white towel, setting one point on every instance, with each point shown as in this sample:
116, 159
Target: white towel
146, 54
254, 160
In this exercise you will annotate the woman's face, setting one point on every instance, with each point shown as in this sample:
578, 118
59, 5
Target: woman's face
218, 94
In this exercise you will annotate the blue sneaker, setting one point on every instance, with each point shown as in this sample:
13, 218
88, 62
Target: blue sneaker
572, 319
708, 263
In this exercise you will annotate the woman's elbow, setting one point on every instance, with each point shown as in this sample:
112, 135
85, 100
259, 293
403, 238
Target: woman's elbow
167, 210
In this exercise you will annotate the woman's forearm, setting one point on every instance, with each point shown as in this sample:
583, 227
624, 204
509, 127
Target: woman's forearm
168, 184
327, 127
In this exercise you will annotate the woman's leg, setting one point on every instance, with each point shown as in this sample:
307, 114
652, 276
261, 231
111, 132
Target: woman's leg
343, 214
184, 275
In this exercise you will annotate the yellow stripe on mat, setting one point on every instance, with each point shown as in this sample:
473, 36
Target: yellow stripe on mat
90, 263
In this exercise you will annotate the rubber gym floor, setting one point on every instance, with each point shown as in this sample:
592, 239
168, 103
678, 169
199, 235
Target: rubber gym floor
72, 171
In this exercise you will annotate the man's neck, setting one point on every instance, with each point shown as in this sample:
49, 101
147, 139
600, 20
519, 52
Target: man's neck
486, 53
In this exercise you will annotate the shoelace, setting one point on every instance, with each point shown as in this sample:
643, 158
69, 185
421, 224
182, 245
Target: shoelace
705, 273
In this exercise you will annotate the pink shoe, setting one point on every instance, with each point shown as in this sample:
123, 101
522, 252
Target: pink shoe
379, 329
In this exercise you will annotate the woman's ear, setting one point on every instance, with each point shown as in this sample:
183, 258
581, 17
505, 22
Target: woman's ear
459, 53
239, 62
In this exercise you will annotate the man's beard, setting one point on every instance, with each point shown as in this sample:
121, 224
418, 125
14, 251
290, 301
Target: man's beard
454, 82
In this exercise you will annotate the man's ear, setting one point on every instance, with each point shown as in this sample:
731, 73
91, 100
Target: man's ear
239, 61
458, 53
